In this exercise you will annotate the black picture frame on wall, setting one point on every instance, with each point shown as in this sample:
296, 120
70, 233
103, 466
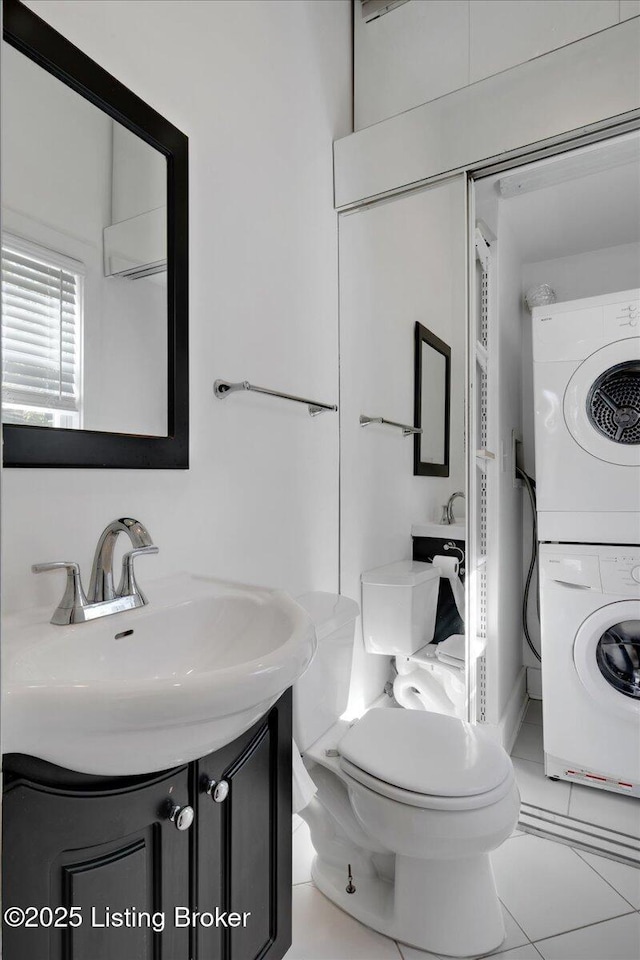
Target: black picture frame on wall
33, 446
434, 379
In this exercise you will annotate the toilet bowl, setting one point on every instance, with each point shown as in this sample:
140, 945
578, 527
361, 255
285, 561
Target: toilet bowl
399, 612
433, 678
409, 805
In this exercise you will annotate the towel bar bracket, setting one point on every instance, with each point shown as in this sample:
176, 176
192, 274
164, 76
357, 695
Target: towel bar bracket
222, 389
407, 431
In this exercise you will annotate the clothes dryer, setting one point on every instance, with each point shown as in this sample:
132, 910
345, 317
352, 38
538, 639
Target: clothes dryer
590, 617
586, 367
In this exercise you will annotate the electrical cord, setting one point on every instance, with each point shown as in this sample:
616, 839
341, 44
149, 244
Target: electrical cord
530, 484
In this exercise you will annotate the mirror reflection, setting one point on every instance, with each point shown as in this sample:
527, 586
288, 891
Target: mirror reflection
431, 403
433, 386
84, 262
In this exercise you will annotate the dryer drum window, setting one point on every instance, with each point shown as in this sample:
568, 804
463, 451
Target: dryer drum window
613, 404
618, 657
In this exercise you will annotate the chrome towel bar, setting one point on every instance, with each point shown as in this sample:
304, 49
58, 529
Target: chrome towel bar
222, 389
407, 431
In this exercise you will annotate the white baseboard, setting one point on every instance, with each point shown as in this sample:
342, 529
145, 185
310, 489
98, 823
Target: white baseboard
506, 730
534, 683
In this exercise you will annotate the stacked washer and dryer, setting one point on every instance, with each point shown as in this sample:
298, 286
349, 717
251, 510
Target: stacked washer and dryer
586, 357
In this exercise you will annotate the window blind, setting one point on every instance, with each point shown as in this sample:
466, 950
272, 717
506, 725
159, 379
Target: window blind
41, 309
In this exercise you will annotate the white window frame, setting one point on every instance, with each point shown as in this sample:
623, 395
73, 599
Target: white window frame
61, 417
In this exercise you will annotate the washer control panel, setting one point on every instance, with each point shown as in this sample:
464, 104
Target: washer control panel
620, 572
613, 570
624, 316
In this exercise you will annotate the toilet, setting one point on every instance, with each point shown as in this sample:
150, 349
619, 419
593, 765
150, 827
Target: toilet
399, 604
409, 804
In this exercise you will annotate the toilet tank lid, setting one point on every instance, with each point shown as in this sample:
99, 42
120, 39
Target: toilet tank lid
401, 573
328, 611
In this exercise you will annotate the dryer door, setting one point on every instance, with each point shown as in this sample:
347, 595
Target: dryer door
602, 403
606, 654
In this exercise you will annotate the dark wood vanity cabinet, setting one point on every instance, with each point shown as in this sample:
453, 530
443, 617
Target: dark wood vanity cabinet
243, 843
104, 850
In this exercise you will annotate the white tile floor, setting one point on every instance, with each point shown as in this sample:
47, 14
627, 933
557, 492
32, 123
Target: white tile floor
601, 807
559, 904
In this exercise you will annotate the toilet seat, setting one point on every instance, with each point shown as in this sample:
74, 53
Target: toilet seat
425, 759
423, 800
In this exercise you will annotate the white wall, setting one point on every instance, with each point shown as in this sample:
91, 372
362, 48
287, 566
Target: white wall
426, 48
139, 175
400, 261
53, 138
261, 89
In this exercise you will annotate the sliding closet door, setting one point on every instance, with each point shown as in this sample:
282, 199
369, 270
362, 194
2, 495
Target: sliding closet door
402, 261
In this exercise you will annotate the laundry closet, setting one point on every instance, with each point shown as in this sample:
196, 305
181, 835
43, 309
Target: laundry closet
562, 232
554, 366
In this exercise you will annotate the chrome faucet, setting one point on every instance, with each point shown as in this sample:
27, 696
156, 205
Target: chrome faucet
450, 518
103, 598
101, 585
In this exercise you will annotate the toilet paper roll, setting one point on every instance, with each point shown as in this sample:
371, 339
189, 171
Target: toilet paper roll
449, 567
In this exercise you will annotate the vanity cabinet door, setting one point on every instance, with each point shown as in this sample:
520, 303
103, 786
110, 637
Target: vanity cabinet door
103, 852
244, 841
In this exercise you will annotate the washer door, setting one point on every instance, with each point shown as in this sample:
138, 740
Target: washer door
602, 403
606, 654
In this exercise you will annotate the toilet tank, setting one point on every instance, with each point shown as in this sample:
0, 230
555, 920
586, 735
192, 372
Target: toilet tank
320, 695
399, 603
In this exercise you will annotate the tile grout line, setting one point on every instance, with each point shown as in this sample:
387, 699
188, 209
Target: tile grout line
597, 872
500, 950
525, 935
552, 936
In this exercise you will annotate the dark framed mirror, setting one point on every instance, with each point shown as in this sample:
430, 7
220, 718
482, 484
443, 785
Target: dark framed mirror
432, 397
94, 263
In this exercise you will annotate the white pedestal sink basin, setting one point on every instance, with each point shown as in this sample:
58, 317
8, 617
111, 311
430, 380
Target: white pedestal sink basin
152, 688
444, 531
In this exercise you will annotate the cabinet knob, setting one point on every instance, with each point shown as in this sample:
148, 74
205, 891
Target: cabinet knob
218, 790
181, 816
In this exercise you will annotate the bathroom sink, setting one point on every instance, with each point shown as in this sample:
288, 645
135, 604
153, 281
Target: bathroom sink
155, 687
445, 531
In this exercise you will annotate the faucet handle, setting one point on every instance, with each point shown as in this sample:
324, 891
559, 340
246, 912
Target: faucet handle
55, 565
74, 598
128, 586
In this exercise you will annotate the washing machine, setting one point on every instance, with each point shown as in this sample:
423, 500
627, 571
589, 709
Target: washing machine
586, 381
590, 617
